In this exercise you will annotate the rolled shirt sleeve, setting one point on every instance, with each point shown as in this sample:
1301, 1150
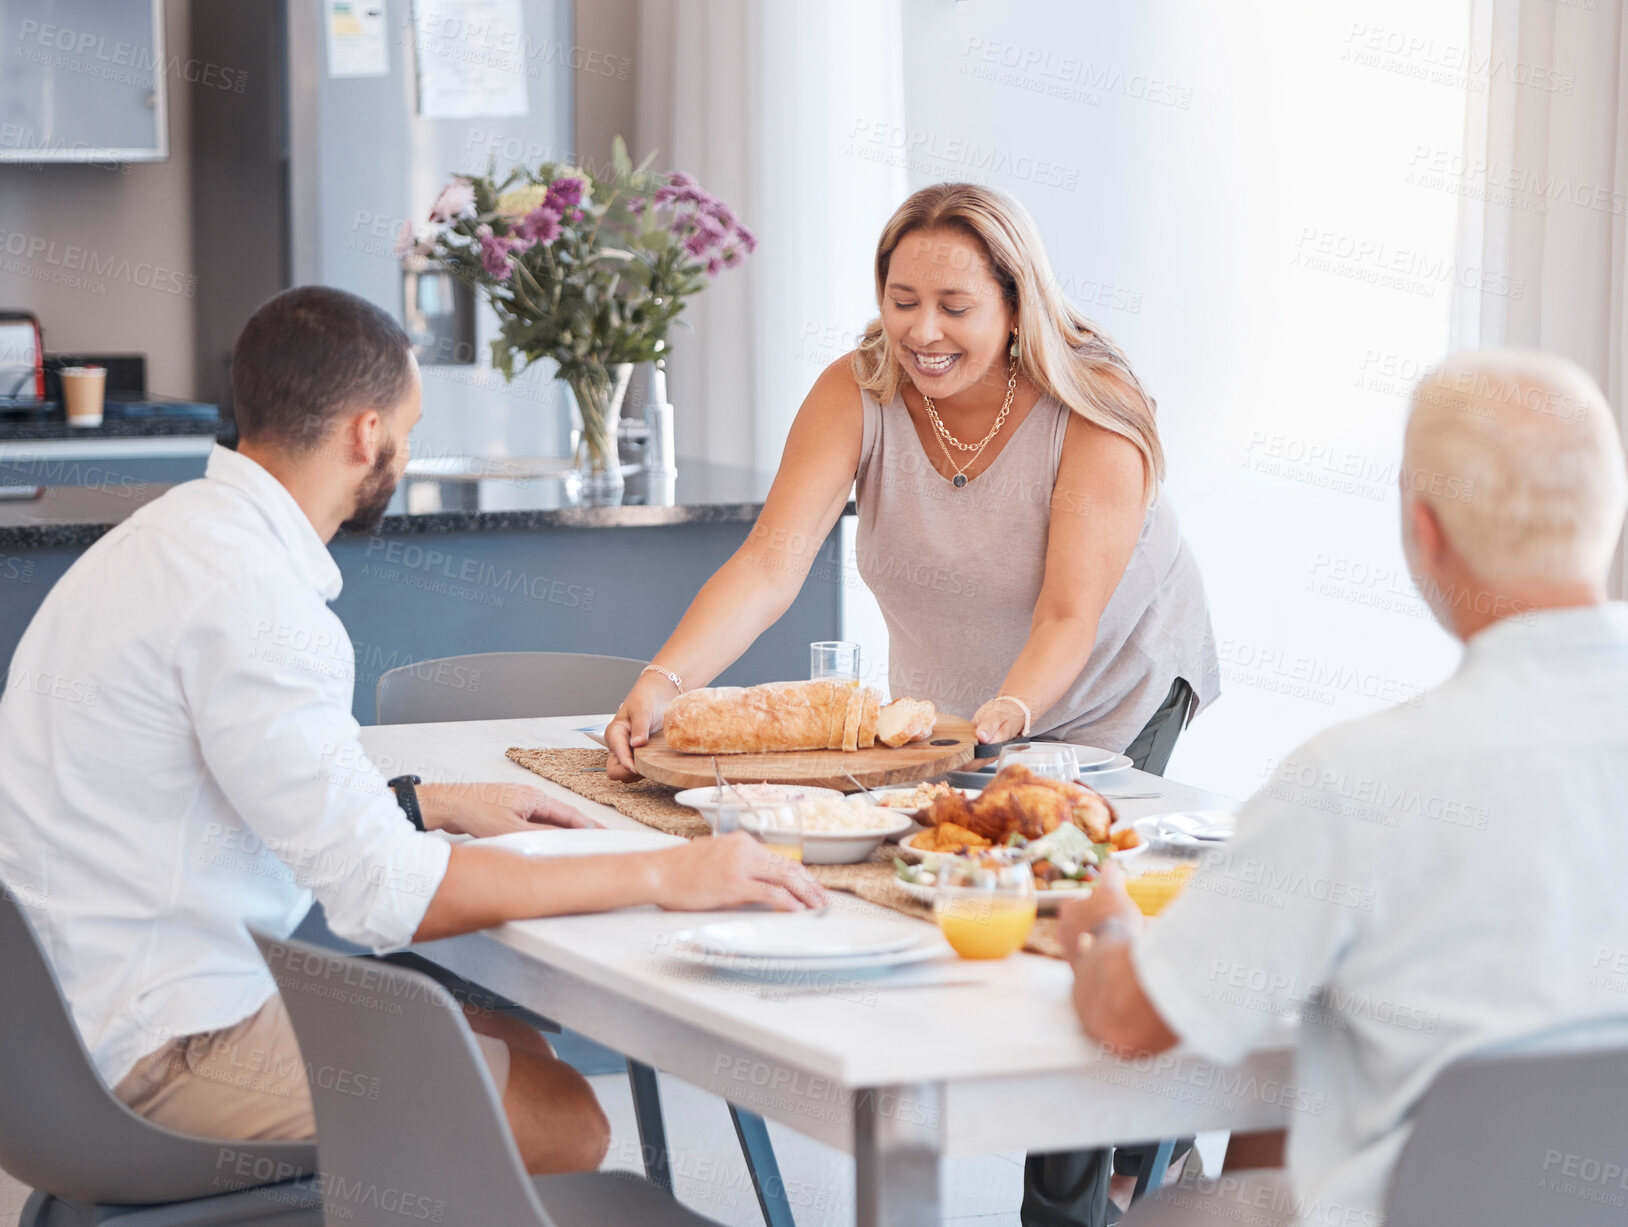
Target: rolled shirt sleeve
1259, 930
268, 676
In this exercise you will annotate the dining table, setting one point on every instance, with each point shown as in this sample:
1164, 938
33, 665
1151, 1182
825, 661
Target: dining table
900, 1069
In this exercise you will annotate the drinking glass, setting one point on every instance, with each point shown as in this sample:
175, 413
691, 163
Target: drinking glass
836, 659
779, 828
1047, 760
985, 910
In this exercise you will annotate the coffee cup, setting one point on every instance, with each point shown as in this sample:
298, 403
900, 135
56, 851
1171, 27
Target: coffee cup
82, 391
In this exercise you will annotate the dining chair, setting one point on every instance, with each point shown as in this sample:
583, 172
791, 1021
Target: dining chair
88, 1157
1531, 1132
432, 1142
503, 685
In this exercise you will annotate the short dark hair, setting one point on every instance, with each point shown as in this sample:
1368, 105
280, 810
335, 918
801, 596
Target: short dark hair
308, 355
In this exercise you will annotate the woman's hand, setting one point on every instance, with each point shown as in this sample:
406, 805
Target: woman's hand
998, 720
638, 717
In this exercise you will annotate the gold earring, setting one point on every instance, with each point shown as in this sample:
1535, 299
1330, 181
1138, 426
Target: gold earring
1014, 349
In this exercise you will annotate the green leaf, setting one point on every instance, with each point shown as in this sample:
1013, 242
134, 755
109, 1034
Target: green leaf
620, 162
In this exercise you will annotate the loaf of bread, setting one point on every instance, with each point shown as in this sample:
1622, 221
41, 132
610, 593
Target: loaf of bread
819, 715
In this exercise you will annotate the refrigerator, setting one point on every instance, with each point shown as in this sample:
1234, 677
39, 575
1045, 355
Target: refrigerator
354, 116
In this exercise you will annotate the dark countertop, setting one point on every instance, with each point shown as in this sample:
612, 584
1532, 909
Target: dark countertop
66, 517
54, 425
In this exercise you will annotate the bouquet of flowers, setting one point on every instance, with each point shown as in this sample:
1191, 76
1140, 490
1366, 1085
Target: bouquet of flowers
589, 269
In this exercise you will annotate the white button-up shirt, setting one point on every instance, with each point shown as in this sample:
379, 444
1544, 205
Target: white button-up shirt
178, 762
1415, 886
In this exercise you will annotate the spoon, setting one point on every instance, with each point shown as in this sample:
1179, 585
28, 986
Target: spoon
868, 793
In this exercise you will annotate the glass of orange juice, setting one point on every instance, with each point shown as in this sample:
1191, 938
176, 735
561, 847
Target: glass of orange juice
779, 828
985, 910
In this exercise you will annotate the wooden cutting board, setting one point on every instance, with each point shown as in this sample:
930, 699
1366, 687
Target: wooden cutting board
951, 745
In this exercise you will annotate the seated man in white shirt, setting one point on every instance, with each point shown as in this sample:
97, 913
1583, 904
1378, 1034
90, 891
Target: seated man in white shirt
1433, 879
179, 763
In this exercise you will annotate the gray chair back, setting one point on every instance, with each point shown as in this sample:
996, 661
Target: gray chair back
503, 685
63, 1131
428, 1125
1512, 1138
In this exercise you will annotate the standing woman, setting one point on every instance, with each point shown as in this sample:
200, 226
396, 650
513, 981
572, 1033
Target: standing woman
1011, 522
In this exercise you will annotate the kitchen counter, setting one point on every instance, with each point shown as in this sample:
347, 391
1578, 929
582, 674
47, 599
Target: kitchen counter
75, 516
484, 561
160, 426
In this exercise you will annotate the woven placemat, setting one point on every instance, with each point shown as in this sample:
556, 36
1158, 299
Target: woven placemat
583, 772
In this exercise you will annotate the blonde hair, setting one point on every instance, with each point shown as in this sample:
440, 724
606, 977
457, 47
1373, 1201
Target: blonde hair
1059, 350
1518, 455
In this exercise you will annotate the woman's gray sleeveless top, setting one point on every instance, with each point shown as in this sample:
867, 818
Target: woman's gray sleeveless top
957, 573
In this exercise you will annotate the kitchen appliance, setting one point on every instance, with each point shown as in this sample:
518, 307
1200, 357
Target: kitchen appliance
22, 361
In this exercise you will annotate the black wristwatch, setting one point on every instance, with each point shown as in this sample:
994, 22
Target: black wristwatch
407, 798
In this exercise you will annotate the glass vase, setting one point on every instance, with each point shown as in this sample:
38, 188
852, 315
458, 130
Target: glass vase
599, 392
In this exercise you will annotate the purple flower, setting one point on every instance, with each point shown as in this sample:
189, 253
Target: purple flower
747, 238
456, 200
698, 244
495, 251
575, 215
541, 225
563, 193
724, 215
637, 205
732, 256
680, 179
714, 266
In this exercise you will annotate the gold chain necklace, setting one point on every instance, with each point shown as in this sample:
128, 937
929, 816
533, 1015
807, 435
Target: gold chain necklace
943, 435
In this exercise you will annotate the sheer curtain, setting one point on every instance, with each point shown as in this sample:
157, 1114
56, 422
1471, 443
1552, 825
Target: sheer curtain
1547, 193
758, 101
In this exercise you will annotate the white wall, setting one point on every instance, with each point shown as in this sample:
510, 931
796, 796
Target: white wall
1188, 163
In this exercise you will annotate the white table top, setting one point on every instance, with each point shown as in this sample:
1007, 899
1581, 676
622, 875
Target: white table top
1015, 1028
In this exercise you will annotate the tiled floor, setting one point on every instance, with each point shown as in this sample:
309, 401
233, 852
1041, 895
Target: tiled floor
710, 1176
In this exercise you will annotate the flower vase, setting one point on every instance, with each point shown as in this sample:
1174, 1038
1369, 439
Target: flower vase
599, 392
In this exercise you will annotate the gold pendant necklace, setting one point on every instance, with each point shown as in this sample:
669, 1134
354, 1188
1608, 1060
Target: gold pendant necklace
946, 439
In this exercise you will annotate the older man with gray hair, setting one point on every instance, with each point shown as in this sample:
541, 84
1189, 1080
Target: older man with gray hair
1435, 879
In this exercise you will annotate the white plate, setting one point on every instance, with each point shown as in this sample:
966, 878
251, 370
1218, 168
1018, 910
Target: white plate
932, 947
802, 936
909, 845
1117, 763
705, 800
555, 841
1046, 901
1173, 830
1090, 758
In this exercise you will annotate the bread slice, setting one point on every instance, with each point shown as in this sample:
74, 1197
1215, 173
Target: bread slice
850, 723
905, 720
867, 720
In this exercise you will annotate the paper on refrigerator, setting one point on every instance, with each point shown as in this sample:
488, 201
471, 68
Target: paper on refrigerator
471, 58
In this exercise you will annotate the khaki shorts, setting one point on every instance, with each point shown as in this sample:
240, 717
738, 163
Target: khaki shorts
247, 1082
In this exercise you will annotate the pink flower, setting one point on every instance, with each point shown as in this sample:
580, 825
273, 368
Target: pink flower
698, 244
563, 193
637, 206
495, 251
681, 179
747, 238
714, 266
456, 200
414, 242
541, 225
732, 256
